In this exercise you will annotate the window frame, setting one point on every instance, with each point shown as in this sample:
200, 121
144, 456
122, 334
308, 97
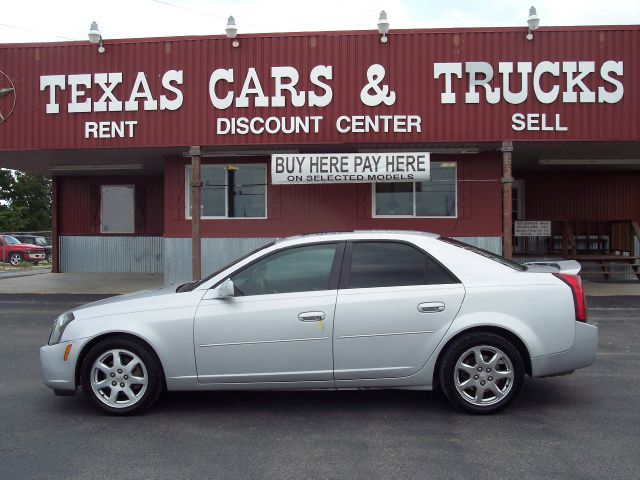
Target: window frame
455, 184
334, 276
345, 274
109, 232
187, 192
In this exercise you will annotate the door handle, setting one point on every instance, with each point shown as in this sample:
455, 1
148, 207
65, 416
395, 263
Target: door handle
431, 307
311, 316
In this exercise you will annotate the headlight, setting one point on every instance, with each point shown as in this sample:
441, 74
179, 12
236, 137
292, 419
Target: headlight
58, 327
27, 251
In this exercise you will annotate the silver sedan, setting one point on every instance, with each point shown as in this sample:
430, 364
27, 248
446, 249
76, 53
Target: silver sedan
405, 310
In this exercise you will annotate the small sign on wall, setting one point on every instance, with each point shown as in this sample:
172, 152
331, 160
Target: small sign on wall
350, 167
532, 228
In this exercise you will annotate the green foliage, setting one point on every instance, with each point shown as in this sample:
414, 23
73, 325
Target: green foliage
25, 202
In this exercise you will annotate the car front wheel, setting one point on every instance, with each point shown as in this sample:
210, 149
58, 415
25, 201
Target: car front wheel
121, 376
481, 372
15, 259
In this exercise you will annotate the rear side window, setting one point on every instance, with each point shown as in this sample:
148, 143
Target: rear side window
392, 264
485, 253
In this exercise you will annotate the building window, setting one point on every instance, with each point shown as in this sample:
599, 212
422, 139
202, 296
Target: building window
230, 191
436, 198
117, 209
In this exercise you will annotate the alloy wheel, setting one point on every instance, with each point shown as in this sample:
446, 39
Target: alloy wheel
119, 378
483, 375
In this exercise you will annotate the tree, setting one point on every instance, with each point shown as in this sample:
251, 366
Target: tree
25, 202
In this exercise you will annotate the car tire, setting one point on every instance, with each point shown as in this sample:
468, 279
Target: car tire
15, 258
49, 258
481, 372
122, 376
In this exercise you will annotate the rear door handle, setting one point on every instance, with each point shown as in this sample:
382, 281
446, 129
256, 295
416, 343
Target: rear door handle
431, 307
311, 316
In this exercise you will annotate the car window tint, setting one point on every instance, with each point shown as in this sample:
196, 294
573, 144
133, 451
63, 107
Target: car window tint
389, 264
299, 269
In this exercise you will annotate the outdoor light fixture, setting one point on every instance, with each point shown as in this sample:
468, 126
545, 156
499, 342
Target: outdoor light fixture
533, 21
383, 26
232, 31
95, 37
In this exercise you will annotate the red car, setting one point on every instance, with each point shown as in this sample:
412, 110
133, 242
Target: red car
12, 251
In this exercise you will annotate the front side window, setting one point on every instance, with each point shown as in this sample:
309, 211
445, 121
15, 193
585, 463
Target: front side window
230, 191
391, 264
11, 240
298, 269
433, 198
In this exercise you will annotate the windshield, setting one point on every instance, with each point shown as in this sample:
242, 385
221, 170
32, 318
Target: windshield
194, 285
41, 241
485, 253
10, 240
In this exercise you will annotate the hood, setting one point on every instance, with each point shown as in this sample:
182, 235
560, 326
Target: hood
156, 297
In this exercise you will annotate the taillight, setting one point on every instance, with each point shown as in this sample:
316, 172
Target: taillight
579, 302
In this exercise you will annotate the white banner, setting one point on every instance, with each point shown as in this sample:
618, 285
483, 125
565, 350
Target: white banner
350, 167
532, 228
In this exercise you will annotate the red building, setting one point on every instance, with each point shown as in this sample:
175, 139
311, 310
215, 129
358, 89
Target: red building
543, 130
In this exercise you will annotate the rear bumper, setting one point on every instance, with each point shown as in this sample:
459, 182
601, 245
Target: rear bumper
582, 354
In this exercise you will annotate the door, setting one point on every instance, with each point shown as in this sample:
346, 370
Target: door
279, 325
394, 305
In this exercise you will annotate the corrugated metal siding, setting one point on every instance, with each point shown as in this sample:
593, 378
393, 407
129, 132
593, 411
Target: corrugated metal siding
297, 209
216, 252
79, 203
408, 58
111, 254
603, 196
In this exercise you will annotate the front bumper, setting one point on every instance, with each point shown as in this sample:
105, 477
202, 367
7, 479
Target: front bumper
56, 373
34, 257
582, 354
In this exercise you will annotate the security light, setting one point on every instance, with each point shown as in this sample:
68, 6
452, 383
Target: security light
96, 37
232, 31
533, 21
383, 26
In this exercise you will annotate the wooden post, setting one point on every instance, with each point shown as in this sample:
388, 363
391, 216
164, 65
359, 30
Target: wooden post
507, 181
55, 246
196, 185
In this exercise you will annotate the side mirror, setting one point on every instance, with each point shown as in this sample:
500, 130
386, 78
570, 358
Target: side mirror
226, 289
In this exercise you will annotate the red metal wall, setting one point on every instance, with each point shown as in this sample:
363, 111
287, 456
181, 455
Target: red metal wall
297, 209
582, 196
408, 58
79, 203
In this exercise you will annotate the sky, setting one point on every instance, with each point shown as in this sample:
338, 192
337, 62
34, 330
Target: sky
59, 20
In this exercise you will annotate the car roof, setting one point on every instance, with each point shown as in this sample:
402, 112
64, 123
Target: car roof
357, 235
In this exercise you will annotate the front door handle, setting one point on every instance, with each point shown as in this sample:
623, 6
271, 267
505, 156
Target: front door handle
311, 316
431, 307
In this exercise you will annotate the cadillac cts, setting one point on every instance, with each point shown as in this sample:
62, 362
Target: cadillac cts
404, 310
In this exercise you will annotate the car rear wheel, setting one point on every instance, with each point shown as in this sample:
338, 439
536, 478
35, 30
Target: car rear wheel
481, 372
15, 258
121, 376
